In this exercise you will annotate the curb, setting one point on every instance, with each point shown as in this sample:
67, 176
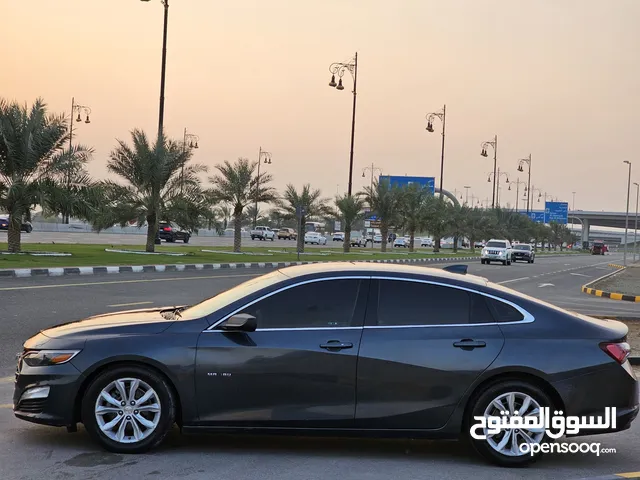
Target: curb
60, 271
615, 476
612, 295
615, 265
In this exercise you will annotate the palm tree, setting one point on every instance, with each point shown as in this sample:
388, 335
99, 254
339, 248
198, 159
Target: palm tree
413, 205
457, 222
159, 184
31, 155
385, 201
311, 203
435, 220
350, 210
235, 184
477, 226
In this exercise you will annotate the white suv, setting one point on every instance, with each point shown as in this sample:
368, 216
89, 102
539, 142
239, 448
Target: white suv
497, 251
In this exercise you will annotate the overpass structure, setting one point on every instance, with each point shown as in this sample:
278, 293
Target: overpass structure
602, 219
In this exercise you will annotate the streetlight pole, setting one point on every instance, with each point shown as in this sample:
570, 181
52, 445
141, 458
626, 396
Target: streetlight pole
466, 200
520, 169
339, 69
496, 178
518, 182
193, 143
75, 107
492, 143
443, 117
165, 3
372, 169
635, 230
267, 160
573, 209
626, 220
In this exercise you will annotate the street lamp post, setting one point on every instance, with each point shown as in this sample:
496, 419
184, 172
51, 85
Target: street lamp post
372, 169
339, 69
573, 208
496, 178
75, 107
635, 230
443, 117
626, 219
492, 143
165, 3
192, 143
267, 160
466, 200
520, 169
518, 183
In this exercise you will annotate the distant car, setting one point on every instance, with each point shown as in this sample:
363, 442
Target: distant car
357, 240
377, 238
426, 242
170, 232
338, 237
478, 245
263, 233
497, 251
287, 234
24, 227
401, 242
315, 238
524, 251
597, 248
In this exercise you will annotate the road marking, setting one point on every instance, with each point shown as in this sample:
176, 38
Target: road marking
6, 405
546, 285
7, 379
170, 279
128, 304
512, 280
579, 274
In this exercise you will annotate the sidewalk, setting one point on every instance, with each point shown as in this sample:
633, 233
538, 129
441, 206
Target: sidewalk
626, 282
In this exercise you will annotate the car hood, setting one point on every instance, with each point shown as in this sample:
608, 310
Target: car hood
133, 322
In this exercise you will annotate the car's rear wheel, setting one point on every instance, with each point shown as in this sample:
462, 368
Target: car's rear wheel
186, 239
128, 409
507, 447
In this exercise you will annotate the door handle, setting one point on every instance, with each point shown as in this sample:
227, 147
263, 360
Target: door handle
336, 345
469, 344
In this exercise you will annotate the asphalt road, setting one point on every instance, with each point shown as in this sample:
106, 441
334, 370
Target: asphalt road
30, 451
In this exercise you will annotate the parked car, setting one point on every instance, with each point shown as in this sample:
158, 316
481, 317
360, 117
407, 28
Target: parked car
478, 245
380, 370
287, 234
426, 242
357, 240
377, 238
170, 232
524, 251
263, 233
338, 237
25, 226
497, 251
401, 242
315, 238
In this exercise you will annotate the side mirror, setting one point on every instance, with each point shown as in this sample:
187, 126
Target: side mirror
241, 322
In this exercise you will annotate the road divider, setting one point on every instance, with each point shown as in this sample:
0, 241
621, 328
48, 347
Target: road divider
589, 290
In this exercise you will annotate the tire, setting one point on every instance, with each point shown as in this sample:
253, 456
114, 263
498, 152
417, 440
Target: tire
509, 262
480, 403
29, 229
163, 419
186, 239
252, 237
273, 239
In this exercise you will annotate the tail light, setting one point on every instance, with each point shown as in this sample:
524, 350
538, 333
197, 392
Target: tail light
618, 351
167, 229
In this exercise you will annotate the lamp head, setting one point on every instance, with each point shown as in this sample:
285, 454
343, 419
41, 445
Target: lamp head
340, 86
332, 83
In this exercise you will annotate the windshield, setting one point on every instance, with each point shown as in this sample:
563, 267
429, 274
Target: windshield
497, 244
226, 297
522, 247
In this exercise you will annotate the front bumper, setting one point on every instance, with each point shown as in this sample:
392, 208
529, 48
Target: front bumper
522, 256
58, 407
495, 258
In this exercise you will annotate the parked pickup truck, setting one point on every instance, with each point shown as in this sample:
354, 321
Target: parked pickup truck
263, 233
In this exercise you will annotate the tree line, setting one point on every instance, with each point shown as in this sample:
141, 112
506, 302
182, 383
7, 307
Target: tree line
157, 181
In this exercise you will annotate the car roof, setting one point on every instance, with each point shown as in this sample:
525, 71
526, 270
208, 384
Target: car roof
378, 268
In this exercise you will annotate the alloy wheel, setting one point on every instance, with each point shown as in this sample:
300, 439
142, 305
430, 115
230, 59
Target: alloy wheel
508, 441
127, 410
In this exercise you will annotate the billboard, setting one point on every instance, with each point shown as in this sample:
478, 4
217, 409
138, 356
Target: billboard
556, 212
404, 181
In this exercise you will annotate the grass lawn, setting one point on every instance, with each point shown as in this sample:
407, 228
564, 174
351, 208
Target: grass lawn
95, 255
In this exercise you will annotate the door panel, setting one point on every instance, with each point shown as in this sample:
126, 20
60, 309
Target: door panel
413, 378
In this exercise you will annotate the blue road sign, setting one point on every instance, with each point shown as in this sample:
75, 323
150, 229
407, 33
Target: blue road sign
536, 216
556, 212
404, 181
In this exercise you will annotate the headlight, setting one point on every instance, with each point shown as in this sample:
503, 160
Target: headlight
43, 358
501, 253
484, 251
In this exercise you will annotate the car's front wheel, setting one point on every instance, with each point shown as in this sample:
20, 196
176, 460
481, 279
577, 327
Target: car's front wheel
510, 447
128, 409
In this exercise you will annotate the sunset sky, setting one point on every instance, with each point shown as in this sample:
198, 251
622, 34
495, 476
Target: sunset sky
555, 78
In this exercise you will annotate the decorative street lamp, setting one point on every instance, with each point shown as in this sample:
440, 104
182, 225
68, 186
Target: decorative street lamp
520, 169
442, 115
190, 141
165, 4
518, 183
373, 171
466, 200
80, 110
496, 178
267, 160
339, 69
494, 144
